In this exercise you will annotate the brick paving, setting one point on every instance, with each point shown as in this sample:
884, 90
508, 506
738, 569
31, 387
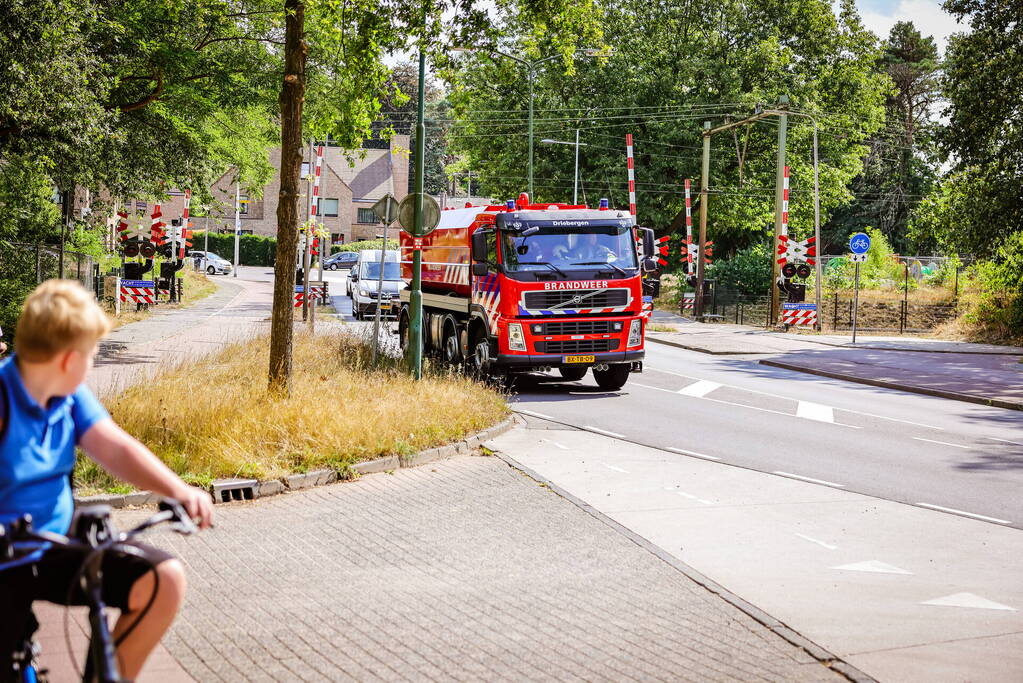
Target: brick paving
461, 570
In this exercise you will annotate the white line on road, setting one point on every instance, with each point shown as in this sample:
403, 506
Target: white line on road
532, 414
943, 443
564, 448
616, 469
815, 411
692, 497
812, 481
820, 543
693, 453
699, 389
598, 430
967, 514
1014, 443
765, 393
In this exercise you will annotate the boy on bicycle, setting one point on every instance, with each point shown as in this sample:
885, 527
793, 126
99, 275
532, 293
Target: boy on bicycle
45, 412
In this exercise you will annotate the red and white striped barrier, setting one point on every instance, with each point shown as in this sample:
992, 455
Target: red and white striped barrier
799, 315
136, 291
690, 256
632, 174
688, 301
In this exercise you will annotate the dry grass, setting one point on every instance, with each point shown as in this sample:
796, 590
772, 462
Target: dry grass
657, 327
213, 417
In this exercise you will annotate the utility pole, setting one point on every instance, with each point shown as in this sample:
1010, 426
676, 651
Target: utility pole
416, 295
532, 69
237, 220
779, 194
704, 186
305, 247
575, 184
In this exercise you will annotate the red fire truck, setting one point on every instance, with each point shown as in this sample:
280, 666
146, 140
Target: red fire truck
533, 287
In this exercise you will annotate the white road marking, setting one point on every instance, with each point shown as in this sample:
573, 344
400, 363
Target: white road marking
967, 600
699, 389
875, 566
765, 393
967, 514
532, 414
616, 469
555, 443
697, 499
598, 430
693, 453
815, 411
820, 543
812, 481
740, 405
942, 443
1014, 443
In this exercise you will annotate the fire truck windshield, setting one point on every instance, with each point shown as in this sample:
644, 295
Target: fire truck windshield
568, 250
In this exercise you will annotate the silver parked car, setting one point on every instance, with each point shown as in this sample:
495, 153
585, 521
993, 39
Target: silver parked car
210, 262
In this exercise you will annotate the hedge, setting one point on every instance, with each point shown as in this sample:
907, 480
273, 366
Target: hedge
253, 250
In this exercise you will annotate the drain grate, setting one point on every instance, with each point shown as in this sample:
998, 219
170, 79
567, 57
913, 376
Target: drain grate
226, 490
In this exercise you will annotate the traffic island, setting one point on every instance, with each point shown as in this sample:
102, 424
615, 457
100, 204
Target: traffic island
212, 419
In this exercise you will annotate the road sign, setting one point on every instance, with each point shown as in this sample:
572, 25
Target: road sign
858, 258
386, 209
407, 214
859, 243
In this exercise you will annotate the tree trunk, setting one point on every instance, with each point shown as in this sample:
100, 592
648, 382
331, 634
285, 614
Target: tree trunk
291, 99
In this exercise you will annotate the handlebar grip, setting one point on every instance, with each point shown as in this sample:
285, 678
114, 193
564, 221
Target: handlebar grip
182, 522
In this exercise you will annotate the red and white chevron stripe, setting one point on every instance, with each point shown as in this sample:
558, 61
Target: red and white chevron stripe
690, 256
137, 295
799, 318
632, 174
314, 205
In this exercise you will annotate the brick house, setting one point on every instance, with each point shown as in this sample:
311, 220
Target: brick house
349, 186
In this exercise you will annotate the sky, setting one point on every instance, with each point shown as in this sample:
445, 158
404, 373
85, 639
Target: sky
880, 15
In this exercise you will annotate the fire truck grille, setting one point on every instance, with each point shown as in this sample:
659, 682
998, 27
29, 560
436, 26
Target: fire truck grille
577, 327
544, 300
577, 346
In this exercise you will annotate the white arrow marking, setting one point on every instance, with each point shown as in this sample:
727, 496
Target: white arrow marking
875, 566
967, 600
815, 411
699, 389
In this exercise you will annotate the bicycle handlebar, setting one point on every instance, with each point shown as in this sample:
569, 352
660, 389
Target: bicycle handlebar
20, 545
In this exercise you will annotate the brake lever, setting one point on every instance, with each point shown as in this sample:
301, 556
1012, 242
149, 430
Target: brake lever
183, 524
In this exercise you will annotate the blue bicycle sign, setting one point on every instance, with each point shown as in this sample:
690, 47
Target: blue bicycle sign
859, 243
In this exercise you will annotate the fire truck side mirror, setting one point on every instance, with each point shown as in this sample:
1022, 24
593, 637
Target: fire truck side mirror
479, 269
648, 245
479, 247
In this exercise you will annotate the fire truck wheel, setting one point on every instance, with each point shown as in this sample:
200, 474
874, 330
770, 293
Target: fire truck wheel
479, 353
572, 374
452, 346
403, 325
613, 378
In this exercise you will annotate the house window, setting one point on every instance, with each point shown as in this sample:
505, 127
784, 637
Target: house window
243, 204
367, 216
328, 207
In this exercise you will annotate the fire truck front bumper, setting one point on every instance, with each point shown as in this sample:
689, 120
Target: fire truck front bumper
523, 361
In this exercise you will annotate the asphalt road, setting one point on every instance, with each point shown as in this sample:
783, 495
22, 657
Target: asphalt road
896, 446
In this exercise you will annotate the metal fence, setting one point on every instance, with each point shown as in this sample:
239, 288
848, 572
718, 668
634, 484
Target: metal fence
34, 263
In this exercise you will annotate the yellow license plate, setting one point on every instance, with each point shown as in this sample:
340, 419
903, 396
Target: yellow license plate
580, 359
385, 307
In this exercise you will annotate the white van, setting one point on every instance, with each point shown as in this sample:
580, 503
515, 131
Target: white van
364, 281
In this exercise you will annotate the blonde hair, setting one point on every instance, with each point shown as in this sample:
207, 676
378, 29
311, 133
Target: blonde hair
59, 315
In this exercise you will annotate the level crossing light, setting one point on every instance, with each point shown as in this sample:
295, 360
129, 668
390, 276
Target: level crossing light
531, 75
577, 145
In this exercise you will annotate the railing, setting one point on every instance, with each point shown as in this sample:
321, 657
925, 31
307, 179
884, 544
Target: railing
34, 263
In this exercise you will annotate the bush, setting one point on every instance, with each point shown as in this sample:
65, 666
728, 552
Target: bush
253, 250
748, 272
364, 244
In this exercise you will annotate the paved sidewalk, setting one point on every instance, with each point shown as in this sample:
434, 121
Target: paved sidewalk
460, 570
977, 373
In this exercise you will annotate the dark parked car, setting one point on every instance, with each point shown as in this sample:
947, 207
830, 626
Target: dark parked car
342, 259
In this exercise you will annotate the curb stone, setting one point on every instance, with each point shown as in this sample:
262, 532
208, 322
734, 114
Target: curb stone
699, 349
297, 482
885, 384
785, 632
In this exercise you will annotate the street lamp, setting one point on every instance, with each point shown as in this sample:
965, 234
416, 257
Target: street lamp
531, 74
577, 145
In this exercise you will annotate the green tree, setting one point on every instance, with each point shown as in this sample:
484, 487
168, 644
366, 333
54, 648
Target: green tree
672, 67
901, 166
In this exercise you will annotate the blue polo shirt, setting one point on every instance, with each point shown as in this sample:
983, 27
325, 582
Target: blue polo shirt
37, 449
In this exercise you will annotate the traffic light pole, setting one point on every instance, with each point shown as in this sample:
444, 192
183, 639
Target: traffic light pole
779, 196
415, 331
704, 186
